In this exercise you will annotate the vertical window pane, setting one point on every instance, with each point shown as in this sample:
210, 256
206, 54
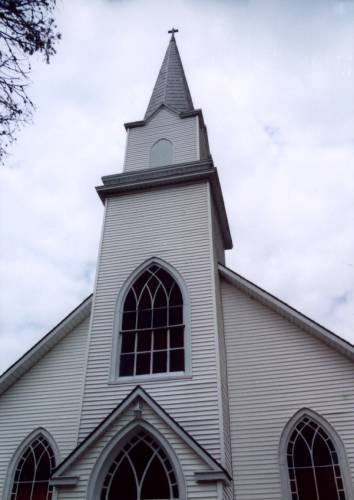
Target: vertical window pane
176, 315
327, 487
160, 362
176, 337
160, 339
129, 319
160, 317
143, 364
177, 360
144, 341
128, 342
144, 318
126, 365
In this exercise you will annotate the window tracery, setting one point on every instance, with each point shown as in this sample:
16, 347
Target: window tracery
140, 471
313, 464
152, 328
33, 471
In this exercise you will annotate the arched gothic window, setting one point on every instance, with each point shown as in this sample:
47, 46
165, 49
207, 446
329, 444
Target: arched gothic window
140, 471
152, 328
161, 153
313, 464
33, 471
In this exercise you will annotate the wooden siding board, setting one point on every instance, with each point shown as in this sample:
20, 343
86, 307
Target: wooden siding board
274, 370
164, 124
170, 223
48, 396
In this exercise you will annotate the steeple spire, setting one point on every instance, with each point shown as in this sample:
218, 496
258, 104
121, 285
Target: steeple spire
171, 86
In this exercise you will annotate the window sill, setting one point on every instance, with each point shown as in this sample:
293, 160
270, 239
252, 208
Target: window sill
137, 379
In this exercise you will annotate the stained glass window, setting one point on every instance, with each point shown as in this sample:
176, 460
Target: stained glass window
140, 471
152, 332
314, 469
33, 471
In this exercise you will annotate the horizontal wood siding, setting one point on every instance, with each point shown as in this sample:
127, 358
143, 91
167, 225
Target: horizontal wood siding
274, 370
173, 224
189, 461
49, 396
182, 132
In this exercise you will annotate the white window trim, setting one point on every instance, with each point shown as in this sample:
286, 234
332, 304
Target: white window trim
40, 431
339, 446
109, 453
117, 325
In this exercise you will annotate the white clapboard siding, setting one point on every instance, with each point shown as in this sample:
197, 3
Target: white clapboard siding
49, 396
274, 370
165, 124
189, 461
171, 223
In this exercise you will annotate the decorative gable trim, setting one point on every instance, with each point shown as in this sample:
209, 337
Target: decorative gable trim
184, 114
136, 396
288, 312
33, 355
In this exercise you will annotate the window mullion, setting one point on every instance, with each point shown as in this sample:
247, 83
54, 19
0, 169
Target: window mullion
152, 345
135, 351
168, 350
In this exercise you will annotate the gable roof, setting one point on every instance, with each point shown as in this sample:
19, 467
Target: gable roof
35, 353
171, 87
288, 312
138, 393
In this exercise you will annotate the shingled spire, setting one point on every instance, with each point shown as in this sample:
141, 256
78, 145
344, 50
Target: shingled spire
171, 86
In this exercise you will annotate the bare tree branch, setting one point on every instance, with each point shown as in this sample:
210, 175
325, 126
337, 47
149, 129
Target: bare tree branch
26, 27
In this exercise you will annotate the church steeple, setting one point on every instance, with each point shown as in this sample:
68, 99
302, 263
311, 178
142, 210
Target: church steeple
171, 87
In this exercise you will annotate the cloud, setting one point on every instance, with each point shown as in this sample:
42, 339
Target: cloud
275, 83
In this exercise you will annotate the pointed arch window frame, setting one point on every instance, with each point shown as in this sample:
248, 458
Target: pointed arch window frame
20, 450
336, 440
117, 325
109, 453
151, 152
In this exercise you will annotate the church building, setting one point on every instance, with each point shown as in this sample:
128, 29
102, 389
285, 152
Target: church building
177, 378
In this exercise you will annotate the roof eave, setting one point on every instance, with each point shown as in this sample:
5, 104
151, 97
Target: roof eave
35, 353
288, 312
183, 114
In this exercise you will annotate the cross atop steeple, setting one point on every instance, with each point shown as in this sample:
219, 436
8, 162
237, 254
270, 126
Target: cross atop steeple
173, 31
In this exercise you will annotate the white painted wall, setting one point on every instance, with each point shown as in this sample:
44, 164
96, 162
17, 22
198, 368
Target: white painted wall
49, 396
274, 370
165, 124
174, 224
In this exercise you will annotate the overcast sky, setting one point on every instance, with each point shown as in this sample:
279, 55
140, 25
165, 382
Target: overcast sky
275, 81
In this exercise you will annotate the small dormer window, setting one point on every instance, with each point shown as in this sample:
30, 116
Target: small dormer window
161, 153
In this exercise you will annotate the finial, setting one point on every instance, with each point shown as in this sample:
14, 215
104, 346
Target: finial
173, 31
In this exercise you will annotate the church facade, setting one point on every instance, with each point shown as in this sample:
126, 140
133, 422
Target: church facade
177, 378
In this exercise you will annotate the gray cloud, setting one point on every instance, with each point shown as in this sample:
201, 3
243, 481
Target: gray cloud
275, 83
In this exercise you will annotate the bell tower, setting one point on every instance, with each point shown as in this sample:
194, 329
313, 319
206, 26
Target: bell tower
164, 215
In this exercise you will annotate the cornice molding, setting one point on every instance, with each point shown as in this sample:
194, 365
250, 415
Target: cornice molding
115, 185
